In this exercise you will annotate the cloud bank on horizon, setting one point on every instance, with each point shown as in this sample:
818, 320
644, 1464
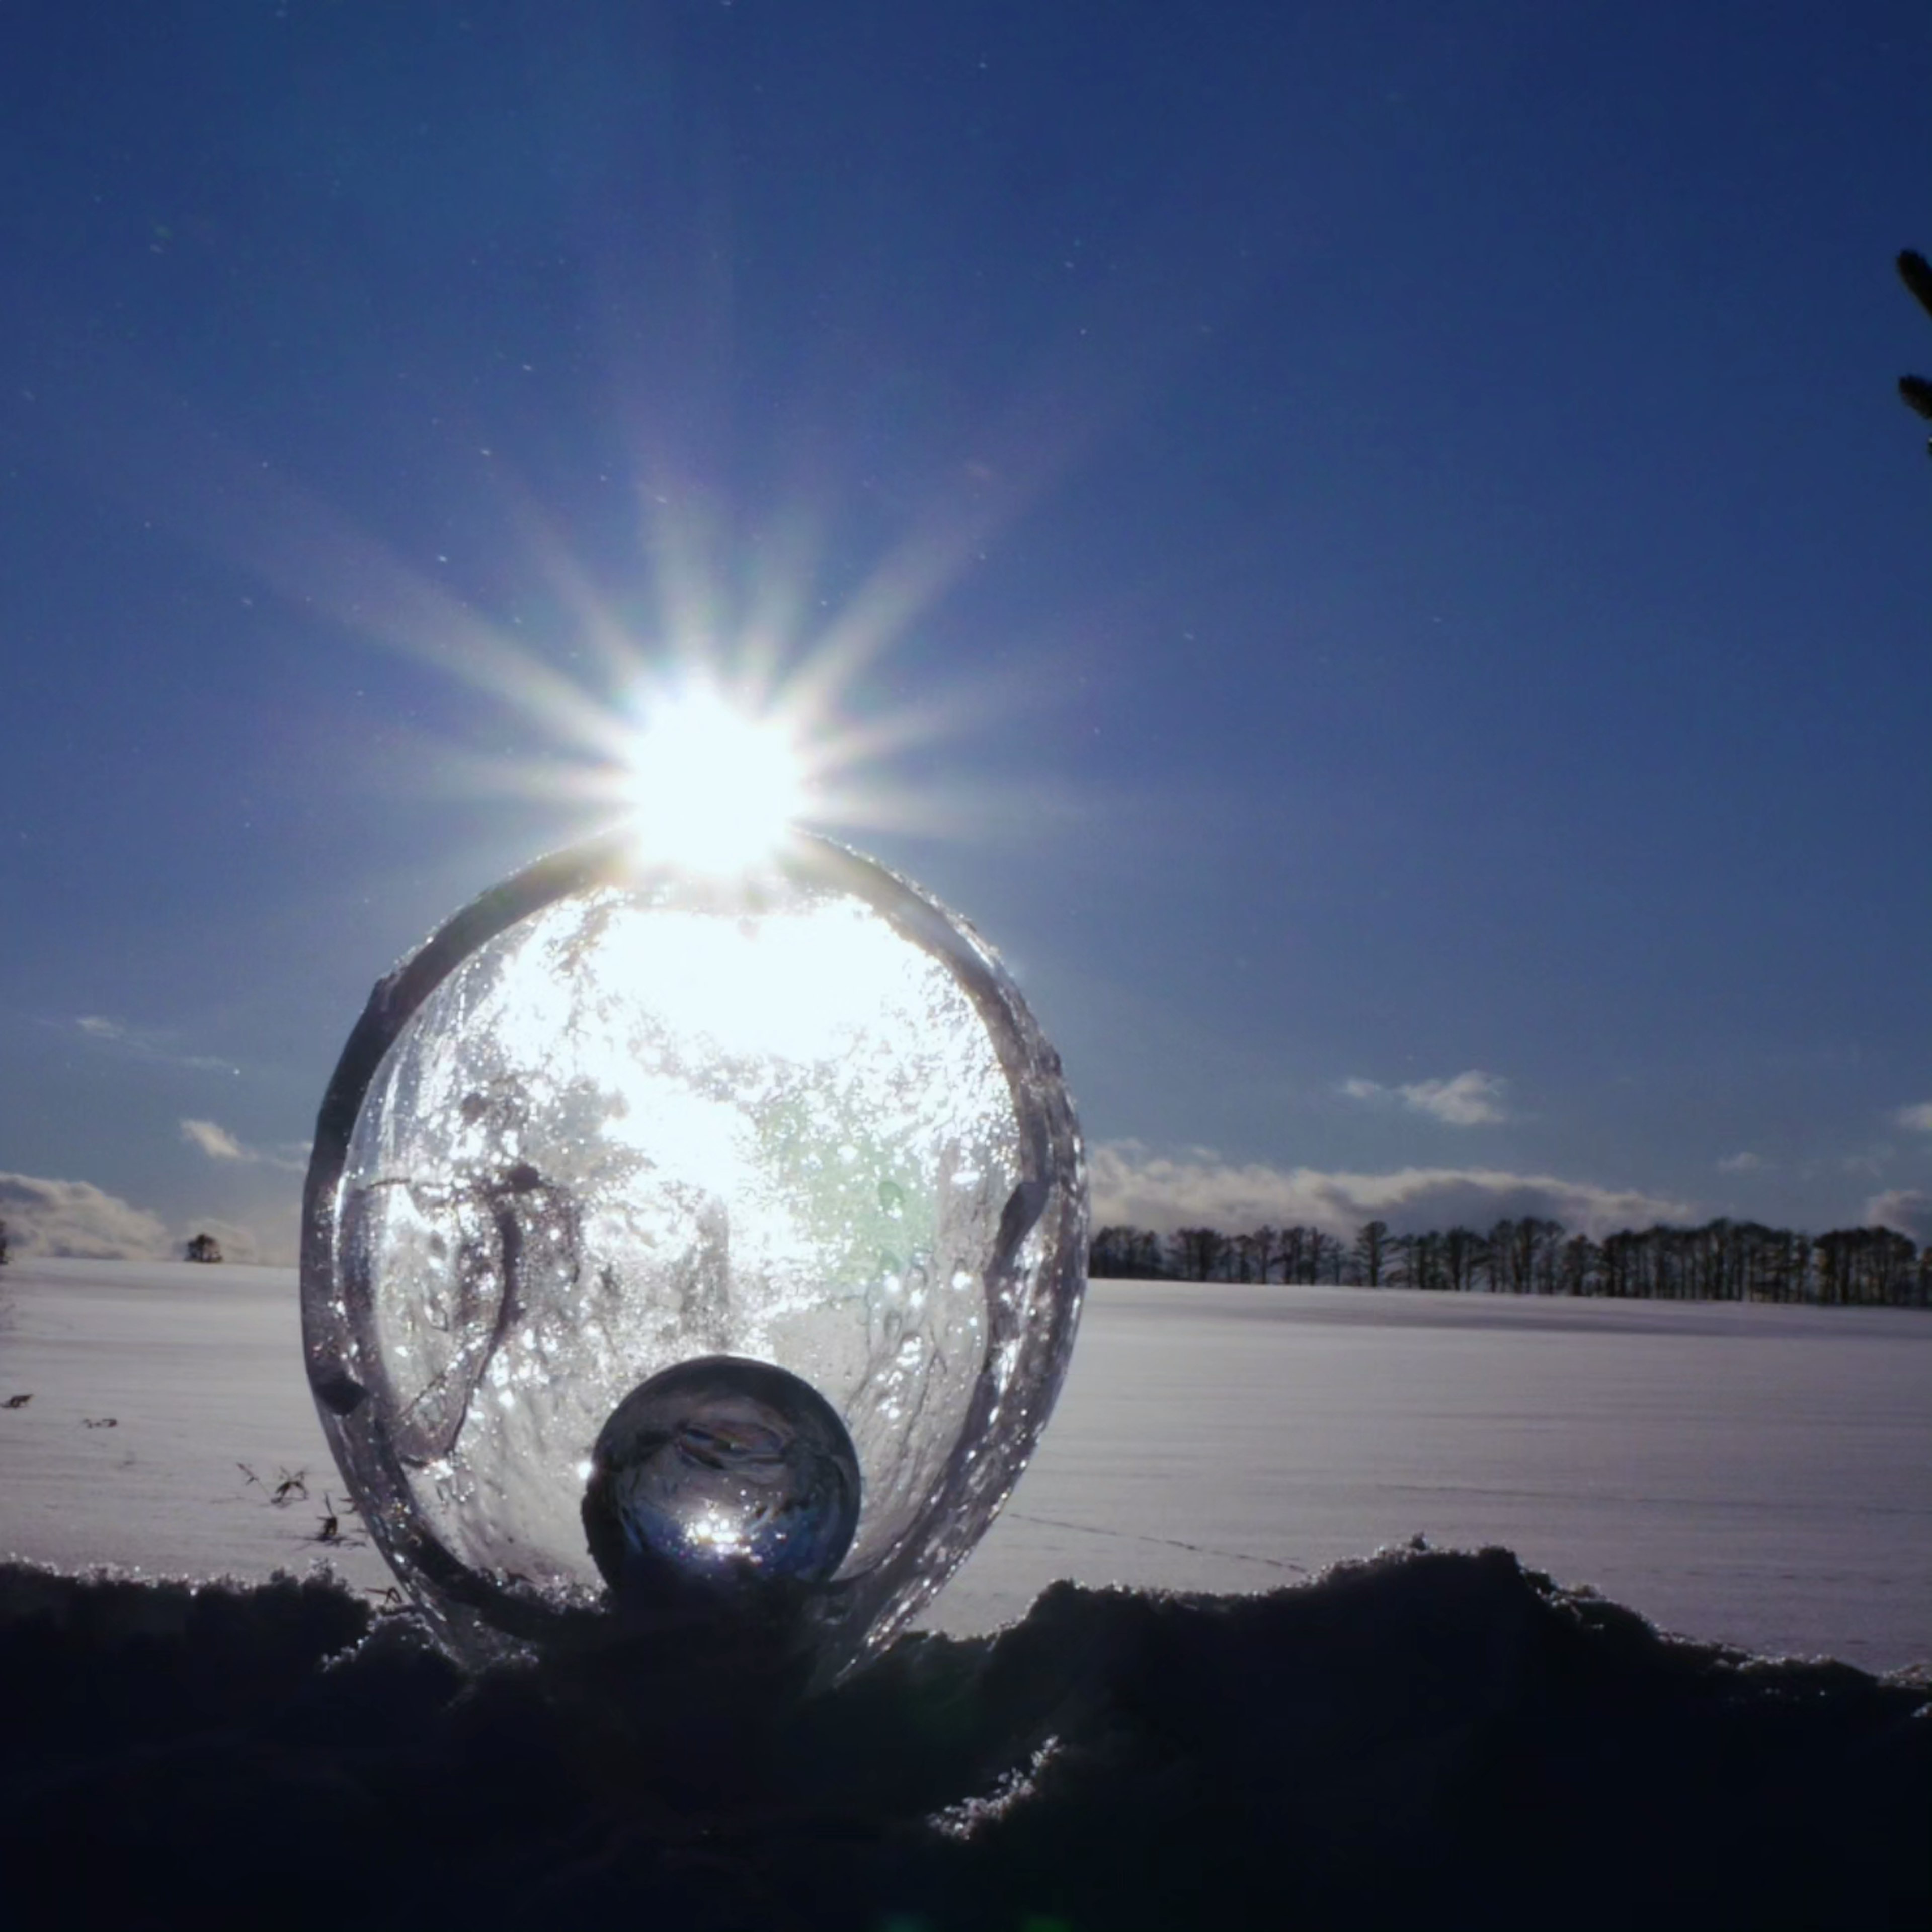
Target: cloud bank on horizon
75, 1220
1909, 1210
50, 1219
1132, 1184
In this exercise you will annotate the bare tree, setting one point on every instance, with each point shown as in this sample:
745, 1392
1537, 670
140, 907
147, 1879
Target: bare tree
1267, 1251
1580, 1267
1372, 1253
1199, 1253
1422, 1257
1463, 1253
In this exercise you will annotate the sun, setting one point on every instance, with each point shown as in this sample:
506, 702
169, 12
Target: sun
711, 784
708, 714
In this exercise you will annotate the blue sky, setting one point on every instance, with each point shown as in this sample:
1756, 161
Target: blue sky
1395, 519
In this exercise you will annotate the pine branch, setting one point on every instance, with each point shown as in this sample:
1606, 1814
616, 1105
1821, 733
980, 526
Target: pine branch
1915, 272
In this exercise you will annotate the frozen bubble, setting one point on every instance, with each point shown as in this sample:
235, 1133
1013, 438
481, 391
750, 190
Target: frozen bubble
613, 1125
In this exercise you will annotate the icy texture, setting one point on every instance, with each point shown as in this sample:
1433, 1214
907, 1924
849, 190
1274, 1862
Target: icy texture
620, 1123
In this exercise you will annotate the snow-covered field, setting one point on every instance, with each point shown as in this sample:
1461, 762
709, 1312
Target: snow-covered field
1759, 1475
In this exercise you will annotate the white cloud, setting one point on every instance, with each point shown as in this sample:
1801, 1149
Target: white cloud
144, 1043
1906, 1210
1741, 1163
1917, 1118
218, 1143
1131, 1184
1473, 1098
75, 1218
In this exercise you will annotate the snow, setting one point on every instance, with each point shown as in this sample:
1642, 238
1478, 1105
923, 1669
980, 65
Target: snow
1758, 1475
1430, 1738
1755, 1474
1426, 1737
200, 1368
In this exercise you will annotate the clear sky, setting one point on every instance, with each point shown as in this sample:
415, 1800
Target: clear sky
1374, 546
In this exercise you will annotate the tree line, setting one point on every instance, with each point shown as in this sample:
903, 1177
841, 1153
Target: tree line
1722, 1261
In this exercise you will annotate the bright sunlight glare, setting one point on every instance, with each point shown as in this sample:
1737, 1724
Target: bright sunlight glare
711, 786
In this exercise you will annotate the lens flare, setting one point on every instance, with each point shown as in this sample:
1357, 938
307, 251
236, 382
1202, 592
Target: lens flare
712, 786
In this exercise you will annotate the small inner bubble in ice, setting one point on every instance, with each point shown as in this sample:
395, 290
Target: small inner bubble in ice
720, 1472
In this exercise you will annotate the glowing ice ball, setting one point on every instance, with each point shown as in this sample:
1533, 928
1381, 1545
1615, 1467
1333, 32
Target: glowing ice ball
720, 1472
673, 1240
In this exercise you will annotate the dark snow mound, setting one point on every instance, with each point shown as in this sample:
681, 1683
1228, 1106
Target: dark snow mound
1424, 1739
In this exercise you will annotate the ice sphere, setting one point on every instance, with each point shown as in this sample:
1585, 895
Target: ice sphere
618, 1125
720, 1473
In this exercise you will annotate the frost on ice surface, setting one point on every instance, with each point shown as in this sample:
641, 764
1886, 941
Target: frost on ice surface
650, 1120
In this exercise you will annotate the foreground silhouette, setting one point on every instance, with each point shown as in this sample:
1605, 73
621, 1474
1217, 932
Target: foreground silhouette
1424, 1739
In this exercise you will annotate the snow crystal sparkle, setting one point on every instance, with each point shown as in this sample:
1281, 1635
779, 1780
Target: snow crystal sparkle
680, 1247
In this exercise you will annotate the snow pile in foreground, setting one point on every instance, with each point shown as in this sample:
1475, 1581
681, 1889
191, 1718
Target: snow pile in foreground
1424, 1738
